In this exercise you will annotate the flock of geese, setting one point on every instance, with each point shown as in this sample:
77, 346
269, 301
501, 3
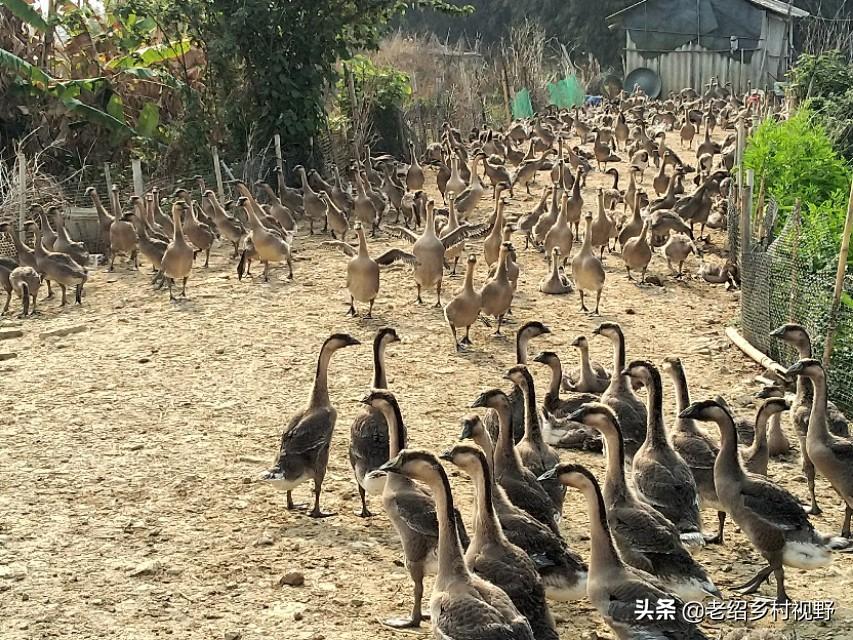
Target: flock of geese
494, 577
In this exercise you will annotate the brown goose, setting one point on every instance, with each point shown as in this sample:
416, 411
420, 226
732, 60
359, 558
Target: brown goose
757, 455
59, 268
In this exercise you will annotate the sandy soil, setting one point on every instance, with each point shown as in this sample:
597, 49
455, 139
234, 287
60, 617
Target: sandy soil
130, 505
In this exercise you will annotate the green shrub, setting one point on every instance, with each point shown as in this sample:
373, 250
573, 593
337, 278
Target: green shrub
825, 75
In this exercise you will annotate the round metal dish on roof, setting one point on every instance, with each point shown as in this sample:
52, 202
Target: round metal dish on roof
648, 80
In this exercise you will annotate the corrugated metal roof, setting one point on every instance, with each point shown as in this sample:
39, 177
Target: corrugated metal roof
776, 6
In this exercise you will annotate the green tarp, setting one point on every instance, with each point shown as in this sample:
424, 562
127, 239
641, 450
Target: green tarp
521, 105
566, 93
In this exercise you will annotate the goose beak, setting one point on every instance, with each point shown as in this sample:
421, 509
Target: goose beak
625, 372
446, 456
551, 473
364, 399
539, 357
352, 342
576, 342
392, 466
796, 369
777, 332
596, 331
375, 475
690, 413
479, 402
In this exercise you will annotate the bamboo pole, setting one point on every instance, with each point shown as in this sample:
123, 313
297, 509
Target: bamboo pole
839, 282
22, 195
108, 178
138, 182
279, 162
746, 218
743, 344
217, 171
759, 210
795, 255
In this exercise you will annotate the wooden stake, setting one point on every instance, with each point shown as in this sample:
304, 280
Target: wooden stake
839, 282
138, 183
746, 218
108, 179
279, 162
743, 344
22, 201
759, 210
795, 256
217, 171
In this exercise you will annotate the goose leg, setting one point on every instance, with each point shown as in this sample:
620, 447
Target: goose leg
135, 258
351, 311
8, 301
50, 290
597, 302
416, 572
456, 342
78, 296
755, 583
291, 506
289, 268
809, 472
365, 512
467, 339
419, 301
630, 277
370, 309
25, 302
171, 294
112, 262
718, 539
583, 305
266, 271
207, 258
455, 262
184, 288
845, 528
33, 311
498, 333
438, 294
781, 595
64, 297
316, 512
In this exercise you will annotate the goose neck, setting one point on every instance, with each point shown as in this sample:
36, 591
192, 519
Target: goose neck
817, 430
451, 564
486, 525
603, 555
320, 391
379, 379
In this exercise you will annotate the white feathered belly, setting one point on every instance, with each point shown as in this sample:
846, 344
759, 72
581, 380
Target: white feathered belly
283, 484
556, 589
806, 555
373, 485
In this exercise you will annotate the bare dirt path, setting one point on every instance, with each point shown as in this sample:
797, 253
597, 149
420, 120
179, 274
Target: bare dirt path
129, 453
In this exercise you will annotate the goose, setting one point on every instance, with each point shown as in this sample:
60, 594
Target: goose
634, 226
467, 200
177, 261
527, 222
269, 245
661, 181
619, 395
696, 447
536, 454
563, 571
613, 587
769, 516
525, 175
277, 209
637, 254
548, 218
229, 228
48, 234
337, 220
146, 216
452, 225
199, 234
312, 205
25, 282
554, 283
677, 249
105, 220
415, 173
428, 251
589, 377
777, 441
559, 235
151, 248
496, 294
687, 133
757, 455
464, 309
368, 448
801, 408
519, 483
497, 174
573, 205
159, 220
640, 163
645, 539
59, 268
26, 256
363, 208
555, 407
304, 451
660, 474
602, 228
64, 243
123, 239
7, 266
340, 194
831, 456
455, 183
587, 270
493, 241
410, 507
463, 606
491, 555
620, 131
602, 151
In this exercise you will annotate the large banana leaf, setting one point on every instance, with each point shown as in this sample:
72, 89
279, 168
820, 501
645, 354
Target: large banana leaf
147, 56
95, 116
24, 69
25, 12
148, 121
154, 75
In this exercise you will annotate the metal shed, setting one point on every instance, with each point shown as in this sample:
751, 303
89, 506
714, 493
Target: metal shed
687, 42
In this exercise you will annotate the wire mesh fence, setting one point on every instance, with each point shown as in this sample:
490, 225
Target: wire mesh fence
781, 282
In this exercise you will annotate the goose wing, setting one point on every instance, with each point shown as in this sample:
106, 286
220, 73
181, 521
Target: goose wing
622, 609
673, 483
396, 255
773, 504
640, 527
468, 616
697, 452
463, 232
309, 431
842, 448
402, 232
416, 509
344, 247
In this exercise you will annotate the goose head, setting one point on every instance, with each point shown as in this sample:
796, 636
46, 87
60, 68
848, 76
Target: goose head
415, 464
596, 415
472, 426
491, 399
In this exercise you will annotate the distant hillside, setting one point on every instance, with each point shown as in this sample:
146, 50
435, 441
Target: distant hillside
576, 23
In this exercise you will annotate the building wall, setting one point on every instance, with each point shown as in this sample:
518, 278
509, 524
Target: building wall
692, 65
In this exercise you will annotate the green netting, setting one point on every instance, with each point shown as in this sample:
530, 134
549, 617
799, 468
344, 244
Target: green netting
522, 107
566, 93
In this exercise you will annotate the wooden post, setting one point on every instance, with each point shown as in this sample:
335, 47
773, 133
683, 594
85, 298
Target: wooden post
746, 218
108, 177
22, 196
839, 282
138, 183
506, 91
279, 162
217, 171
795, 255
759, 210
353, 112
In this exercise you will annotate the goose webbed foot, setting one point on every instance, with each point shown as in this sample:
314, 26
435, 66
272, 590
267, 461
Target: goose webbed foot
318, 513
294, 507
405, 623
755, 583
351, 311
466, 342
813, 509
486, 321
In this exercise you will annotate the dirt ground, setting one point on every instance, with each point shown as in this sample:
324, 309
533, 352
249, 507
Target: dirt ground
130, 504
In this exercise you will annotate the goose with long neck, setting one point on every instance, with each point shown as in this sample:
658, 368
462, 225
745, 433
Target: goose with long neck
589, 377
492, 556
619, 395
464, 309
105, 219
660, 474
368, 448
832, 456
415, 174
614, 588
314, 207
229, 228
563, 571
59, 268
411, 508
553, 405
536, 454
177, 260
304, 451
48, 235
637, 253
123, 238
523, 336
757, 456
587, 270
463, 606
497, 293
769, 516
547, 219
797, 336
492, 243
645, 538
696, 447
560, 236
517, 480
270, 246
